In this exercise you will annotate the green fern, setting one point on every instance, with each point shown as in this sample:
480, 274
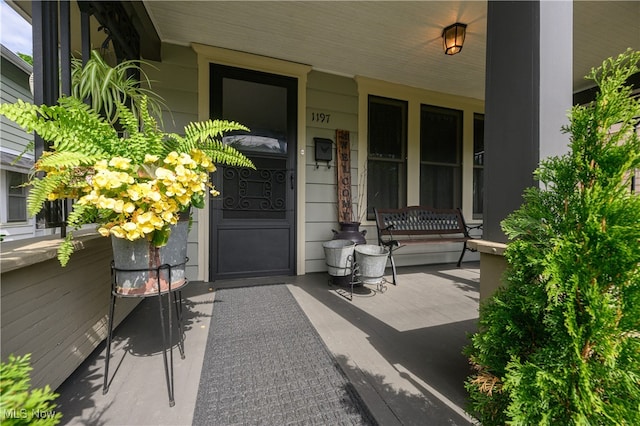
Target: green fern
80, 137
40, 190
205, 136
200, 132
68, 159
225, 154
66, 249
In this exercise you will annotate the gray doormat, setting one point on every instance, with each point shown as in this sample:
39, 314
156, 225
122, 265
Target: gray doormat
266, 364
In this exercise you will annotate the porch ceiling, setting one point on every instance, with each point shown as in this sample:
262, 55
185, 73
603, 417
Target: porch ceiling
391, 40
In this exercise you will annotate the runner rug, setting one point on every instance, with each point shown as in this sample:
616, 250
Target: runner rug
266, 364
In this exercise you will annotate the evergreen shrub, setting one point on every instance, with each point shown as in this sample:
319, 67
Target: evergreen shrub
559, 344
19, 404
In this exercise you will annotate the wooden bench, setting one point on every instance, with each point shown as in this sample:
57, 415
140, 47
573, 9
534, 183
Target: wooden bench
421, 225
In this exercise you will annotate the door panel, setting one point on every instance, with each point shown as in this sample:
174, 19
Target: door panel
257, 194
253, 220
259, 249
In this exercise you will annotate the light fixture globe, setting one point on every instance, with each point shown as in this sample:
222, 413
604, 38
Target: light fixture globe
453, 38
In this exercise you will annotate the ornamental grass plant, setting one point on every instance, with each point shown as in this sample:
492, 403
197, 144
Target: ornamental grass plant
559, 344
128, 176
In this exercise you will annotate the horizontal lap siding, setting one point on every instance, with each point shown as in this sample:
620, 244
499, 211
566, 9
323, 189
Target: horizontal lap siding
176, 80
59, 315
15, 85
337, 97
432, 253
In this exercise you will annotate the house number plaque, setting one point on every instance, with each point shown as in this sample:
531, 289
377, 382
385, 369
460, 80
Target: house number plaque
344, 175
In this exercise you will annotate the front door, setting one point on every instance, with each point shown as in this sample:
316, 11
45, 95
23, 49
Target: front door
253, 220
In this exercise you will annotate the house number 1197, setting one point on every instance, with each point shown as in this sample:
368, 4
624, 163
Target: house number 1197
320, 117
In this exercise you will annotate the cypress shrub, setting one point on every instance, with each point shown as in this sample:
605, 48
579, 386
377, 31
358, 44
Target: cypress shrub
559, 344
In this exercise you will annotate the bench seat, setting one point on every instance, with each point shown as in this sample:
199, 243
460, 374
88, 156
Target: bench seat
421, 225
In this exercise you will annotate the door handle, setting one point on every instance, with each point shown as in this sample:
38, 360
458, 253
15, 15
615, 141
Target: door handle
292, 185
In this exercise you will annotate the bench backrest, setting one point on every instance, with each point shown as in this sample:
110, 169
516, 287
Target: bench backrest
419, 220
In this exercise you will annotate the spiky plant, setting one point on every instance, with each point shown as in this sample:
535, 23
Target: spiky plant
133, 183
560, 344
106, 86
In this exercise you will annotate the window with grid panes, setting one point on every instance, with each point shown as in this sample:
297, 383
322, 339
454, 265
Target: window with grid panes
16, 197
386, 162
440, 157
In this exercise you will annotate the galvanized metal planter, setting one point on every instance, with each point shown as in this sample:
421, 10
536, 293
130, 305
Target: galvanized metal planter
371, 261
339, 257
140, 267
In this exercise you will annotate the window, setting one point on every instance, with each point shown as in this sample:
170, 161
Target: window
478, 165
16, 197
386, 162
440, 157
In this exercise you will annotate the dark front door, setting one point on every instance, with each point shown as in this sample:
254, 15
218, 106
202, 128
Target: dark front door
253, 220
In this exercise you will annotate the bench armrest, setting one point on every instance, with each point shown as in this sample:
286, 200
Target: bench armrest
468, 228
386, 229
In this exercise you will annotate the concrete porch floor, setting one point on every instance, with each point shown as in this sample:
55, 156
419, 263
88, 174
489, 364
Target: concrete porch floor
401, 349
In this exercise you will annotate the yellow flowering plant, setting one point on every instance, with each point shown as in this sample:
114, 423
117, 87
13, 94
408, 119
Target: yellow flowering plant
134, 183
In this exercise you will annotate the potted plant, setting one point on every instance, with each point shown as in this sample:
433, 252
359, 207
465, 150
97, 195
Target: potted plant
129, 177
105, 86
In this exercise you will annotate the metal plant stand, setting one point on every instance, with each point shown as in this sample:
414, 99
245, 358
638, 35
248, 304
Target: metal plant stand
173, 295
355, 278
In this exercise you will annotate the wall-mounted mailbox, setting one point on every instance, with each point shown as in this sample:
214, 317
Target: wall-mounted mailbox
324, 150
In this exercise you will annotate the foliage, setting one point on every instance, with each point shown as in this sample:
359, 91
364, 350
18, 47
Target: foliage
107, 86
27, 58
132, 183
20, 405
560, 344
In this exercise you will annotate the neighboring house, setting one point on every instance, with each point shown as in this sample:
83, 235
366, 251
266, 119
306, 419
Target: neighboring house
296, 71
14, 167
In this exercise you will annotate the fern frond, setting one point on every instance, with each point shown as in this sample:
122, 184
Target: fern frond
67, 159
69, 126
40, 190
150, 129
227, 155
141, 135
81, 215
200, 132
23, 113
172, 142
205, 136
66, 249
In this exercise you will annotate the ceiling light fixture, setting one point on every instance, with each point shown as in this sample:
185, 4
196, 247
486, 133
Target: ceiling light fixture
453, 38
